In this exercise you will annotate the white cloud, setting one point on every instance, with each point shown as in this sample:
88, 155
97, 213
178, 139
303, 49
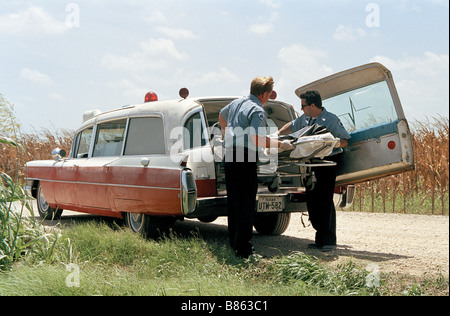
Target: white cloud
422, 83
157, 16
300, 65
154, 54
33, 20
36, 77
223, 75
272, 3
176, 33
264, 28
345, 33
261, 29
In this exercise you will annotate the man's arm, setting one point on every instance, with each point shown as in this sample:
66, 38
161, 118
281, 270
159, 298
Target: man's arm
223, 124
286, 129
265, 142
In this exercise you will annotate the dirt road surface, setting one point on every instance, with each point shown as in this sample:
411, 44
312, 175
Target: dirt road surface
406, 244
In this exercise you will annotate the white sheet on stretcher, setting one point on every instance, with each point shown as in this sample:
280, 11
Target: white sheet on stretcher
305, 146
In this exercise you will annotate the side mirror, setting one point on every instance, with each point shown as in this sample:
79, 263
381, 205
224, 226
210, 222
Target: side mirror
58, 153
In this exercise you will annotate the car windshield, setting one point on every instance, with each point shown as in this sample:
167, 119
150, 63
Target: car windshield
364, 107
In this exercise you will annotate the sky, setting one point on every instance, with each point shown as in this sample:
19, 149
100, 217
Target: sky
59, 58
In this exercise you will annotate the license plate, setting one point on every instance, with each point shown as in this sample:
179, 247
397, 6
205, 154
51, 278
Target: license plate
270, 204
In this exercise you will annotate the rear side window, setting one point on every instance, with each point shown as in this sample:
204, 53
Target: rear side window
194, 132
145, 136
109, 140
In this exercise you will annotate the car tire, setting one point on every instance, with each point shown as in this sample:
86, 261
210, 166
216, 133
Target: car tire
273, 224
46, 212
148, 226
207, 219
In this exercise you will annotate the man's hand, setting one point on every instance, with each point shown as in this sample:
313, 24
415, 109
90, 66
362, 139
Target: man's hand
338, 144
286, 145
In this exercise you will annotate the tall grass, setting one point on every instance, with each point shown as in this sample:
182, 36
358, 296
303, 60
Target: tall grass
422, 191
114, 261
36, 146
19, 236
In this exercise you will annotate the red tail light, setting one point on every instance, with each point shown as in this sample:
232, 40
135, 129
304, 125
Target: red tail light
391, 145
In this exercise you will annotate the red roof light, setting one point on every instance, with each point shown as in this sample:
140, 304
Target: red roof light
151, 97
184, 93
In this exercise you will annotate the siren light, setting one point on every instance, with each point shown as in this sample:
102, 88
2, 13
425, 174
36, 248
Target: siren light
184, 93
151, 97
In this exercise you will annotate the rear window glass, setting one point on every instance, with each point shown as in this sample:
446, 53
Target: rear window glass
364, 107
194, 132
109, 139
145, 136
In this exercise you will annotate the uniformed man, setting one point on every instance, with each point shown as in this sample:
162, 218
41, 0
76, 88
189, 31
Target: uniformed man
243, 122
321, 210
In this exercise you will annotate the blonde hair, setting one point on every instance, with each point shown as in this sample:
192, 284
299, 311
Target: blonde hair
260, 85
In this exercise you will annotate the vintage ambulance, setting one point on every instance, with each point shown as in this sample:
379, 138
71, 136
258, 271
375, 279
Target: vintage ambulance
154, 163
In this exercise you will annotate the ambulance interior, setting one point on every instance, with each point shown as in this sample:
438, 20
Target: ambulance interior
278, 113
286, 172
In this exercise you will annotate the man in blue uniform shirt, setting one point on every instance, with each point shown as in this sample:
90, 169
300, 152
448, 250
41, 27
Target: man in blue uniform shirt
243, 122
321, 210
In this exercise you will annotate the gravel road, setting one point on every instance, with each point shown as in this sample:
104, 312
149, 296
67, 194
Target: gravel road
407, 244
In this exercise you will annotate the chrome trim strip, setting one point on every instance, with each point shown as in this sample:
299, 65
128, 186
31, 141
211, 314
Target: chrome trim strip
112, 184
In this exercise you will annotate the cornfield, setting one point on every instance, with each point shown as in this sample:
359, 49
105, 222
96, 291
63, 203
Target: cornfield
422, 191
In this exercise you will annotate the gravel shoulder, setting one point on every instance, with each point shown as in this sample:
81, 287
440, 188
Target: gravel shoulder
399, 243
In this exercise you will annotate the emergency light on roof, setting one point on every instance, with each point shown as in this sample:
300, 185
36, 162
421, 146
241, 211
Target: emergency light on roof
184, 93
151, 97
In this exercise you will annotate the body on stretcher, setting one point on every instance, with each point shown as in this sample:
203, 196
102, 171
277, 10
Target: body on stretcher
309, 152
275, 166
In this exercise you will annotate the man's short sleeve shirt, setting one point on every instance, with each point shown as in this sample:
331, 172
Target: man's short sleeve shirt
245, 117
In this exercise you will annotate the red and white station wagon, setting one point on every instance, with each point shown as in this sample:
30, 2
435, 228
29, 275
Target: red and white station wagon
160, 161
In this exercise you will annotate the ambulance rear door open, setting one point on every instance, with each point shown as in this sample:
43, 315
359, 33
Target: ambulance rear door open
366, 101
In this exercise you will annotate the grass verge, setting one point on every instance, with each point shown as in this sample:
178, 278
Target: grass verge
100, 259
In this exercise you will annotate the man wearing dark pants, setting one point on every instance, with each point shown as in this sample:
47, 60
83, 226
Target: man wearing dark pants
243, 124
319, 200
242, 186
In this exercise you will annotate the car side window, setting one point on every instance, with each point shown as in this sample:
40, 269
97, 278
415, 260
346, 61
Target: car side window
109, 139
145, 136
194, 131
82, 143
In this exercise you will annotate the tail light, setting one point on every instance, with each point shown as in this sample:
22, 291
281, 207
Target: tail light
188, 192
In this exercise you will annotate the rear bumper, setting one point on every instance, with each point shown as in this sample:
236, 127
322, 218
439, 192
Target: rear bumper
217, 206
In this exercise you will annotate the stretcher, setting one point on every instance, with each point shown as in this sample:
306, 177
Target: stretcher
279, 169
289, 169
